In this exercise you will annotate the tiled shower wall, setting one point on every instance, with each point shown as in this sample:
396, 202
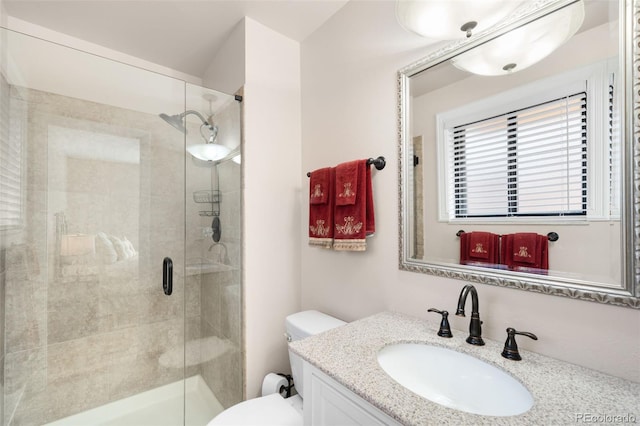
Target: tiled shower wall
4, 134
220, 291
221, 298
83, 334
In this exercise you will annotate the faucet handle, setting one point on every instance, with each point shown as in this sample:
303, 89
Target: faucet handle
445, 329
510, 350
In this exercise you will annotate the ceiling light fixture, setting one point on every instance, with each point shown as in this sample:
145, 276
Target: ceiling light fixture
523, 46
451, 20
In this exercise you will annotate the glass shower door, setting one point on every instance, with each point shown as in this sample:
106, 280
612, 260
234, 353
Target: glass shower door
213, 255
89, 335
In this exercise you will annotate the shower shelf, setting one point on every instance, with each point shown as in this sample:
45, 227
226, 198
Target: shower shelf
208, 196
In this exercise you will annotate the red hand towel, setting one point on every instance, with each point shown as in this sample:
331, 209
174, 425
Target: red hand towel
353, 220
525, 248
319, 186
543, 249
516, 249
347, 183
479, 244
479, 247
321, 200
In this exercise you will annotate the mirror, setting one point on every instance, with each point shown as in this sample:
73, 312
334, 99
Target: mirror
532, 141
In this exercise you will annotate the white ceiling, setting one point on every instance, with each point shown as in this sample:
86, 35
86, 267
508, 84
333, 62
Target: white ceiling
180, 34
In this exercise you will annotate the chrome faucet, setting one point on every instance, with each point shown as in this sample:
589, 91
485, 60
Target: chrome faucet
475, 329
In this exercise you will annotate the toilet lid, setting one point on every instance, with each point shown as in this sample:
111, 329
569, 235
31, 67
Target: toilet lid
267, 410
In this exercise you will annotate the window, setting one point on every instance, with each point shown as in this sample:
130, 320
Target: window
11, 154
530, 162
546, 149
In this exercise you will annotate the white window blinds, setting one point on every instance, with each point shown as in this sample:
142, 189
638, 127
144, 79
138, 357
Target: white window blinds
11, 199
615, 154
529, 162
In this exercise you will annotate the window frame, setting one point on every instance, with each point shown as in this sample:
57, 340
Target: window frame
509, 124
594, 80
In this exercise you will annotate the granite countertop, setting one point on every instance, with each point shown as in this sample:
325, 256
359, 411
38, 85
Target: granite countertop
562, 391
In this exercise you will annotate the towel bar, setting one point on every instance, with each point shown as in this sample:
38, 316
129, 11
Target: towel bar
551, 236
379, 163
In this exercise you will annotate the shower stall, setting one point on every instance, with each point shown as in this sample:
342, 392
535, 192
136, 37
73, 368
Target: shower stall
101, 208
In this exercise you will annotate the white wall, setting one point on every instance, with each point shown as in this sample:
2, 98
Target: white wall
270, 72
29, 28
272, 207
227, 69
71, 72
349, 110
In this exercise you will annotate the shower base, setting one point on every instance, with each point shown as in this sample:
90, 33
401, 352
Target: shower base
162, 406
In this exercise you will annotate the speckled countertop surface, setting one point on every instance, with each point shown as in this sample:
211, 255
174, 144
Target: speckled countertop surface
561, 391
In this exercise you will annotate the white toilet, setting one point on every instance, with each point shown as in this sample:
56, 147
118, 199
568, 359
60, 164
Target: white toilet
274, 409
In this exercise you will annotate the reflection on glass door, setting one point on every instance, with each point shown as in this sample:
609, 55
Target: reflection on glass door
89, 335
103, 197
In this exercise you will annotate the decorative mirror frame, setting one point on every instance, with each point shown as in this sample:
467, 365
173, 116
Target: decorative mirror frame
629, 296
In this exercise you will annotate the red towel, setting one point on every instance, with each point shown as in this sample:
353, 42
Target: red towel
321, 199
347, 183
353, 213
479, 248
525, 252
524, 247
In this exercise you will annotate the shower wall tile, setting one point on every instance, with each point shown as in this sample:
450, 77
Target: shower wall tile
193, 354
221, 304
167, 169
25, 312
85, 355
211, 301
72, 308
122, 310
25, 378
2, 388
148, 356
192, 291
223, 372
61, 399
2, 335
231, 311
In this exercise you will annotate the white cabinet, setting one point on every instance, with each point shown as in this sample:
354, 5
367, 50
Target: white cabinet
328, 403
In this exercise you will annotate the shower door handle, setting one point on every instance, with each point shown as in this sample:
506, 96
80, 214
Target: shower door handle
167, 276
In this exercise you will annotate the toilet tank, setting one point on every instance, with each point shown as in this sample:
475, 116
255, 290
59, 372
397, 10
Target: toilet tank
301, 325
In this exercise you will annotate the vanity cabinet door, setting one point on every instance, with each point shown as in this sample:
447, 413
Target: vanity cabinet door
328, 403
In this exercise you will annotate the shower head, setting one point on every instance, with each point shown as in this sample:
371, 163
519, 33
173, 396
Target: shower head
175, 121
207, 151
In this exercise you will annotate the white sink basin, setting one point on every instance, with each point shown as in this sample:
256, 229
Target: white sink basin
455, 380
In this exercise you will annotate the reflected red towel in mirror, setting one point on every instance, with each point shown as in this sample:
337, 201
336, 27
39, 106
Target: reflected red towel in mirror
481, 247
525, 246
526, 252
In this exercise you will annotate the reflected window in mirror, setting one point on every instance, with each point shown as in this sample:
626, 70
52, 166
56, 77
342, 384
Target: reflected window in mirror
583, 85
532, 152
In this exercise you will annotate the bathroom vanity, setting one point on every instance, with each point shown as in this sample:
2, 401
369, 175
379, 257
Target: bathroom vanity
348, 386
